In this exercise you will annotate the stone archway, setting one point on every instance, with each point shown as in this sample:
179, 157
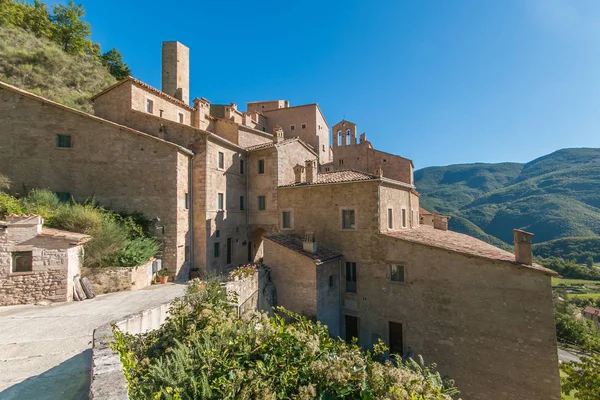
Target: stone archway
255, 248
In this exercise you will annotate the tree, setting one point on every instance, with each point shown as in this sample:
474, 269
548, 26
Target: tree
590, 262
70, 31
582, 378
114, 61
12, 13
37, 19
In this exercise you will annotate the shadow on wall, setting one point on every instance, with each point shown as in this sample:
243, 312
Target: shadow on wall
68, 380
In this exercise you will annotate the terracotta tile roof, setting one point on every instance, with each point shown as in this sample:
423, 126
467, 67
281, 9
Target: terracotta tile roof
294, 241
459, 243
423, 211
72, 237
591, 310
147, 87
348, 175
267, 145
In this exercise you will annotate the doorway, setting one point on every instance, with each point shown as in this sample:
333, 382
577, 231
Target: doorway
396, 343
229, 250
351, 327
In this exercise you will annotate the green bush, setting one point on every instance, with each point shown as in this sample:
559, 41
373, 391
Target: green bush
81, 218
137, 251
9, 205
41, 202
205, 351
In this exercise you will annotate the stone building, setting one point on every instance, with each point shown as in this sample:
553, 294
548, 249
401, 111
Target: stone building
337, 221
37, 263
593, 314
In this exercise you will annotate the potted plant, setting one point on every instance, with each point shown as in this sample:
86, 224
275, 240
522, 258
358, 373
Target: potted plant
163, 275
195, 273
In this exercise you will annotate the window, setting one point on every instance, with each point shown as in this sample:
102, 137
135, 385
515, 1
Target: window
350, 277
323, 147
396, 344
149, 106
22, 261
292, 127
63, 141
180, 118
242, 167
348, 219
404, 218
242, 203
217, 233
261, 166
390, 219
217, 250
339, 138
341, 161
330, 281
397, 273
303, 126
261, 203
220, 201
63, 197
286, 220
221, 160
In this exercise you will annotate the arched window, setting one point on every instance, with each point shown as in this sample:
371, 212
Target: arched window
339, 138
348, 137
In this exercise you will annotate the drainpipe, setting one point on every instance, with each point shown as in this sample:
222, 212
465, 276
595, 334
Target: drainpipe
410, 208
379, 206
246, 172
340, 300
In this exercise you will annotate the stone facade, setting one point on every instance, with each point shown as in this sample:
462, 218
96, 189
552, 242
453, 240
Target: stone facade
35, 263
121, 168
495, 346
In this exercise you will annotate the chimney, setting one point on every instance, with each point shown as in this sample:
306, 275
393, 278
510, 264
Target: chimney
277, 134
311, 171
440, 221
309, 244
176, 70
379, 171
299, 174
23, 227
523, 252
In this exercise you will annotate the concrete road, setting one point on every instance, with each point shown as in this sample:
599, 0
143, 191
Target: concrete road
45, 351
566, 356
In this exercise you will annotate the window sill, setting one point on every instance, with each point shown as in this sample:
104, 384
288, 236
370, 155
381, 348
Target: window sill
348, 229
63, 148
396, 283
287, 229
25, 273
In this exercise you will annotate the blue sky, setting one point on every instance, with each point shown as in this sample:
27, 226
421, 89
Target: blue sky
440, 82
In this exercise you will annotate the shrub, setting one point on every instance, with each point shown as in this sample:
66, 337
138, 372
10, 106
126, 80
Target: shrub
204, 351
41, 202
107, 241
9, 205
137, 251
4, 182
81, 218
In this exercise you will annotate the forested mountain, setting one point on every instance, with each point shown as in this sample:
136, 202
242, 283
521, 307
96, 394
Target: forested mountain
554, 196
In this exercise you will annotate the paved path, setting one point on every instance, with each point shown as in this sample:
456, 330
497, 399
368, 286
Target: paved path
566, 356
45, 352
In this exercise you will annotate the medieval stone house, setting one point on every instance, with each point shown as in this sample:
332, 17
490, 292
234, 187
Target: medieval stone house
37, 263
339, 225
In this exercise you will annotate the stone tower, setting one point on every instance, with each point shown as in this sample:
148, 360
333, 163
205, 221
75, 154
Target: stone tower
176, 70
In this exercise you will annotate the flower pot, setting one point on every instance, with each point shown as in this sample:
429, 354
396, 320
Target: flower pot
195, 273
163, 279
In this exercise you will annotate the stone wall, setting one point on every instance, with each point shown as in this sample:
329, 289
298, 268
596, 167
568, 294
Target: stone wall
116, 279
120, 168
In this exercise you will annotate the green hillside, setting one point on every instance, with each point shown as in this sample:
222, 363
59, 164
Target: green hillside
42, 67
555, 196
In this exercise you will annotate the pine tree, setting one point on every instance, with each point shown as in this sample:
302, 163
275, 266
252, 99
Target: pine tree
114, 61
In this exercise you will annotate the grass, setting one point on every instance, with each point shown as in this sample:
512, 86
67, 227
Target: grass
568, 282
41, 67
586, 295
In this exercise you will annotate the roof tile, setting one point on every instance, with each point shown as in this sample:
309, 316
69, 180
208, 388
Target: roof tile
294, 241
459, 243
348, 175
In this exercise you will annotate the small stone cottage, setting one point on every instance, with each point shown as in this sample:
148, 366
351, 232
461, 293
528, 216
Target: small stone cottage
37, 263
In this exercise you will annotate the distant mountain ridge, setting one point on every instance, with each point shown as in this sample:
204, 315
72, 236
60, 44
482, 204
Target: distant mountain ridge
555, 196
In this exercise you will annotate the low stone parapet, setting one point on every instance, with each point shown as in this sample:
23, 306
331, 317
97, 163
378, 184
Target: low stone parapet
116, 279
